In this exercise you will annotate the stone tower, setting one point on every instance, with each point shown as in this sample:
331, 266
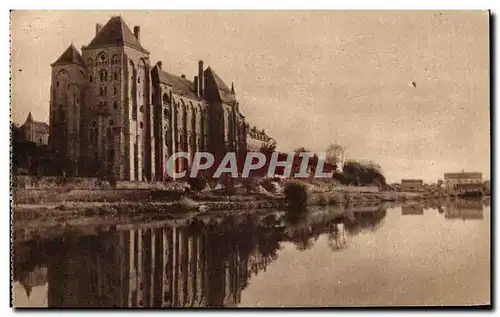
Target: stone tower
117, 119
67, 96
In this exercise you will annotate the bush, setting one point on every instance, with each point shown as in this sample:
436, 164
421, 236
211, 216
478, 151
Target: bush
296, 194
197, 184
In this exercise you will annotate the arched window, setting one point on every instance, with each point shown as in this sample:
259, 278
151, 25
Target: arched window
90, 78
115, 105
141, 125
114, 90
166, 113
101, 91
166, 99
111, 122
102, 59
115, 60
141, 109
115, 76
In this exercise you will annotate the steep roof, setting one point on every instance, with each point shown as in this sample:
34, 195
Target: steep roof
180, 86
40, 127
225, 93
70, 56
115, 32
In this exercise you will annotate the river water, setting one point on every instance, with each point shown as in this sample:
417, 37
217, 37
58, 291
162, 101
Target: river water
416, 254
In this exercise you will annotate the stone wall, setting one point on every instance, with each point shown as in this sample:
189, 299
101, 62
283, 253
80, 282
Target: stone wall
356, 189
34, 182
38, 183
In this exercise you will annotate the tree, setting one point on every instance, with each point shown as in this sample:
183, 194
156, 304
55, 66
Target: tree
335, 154
440, 183
363, 173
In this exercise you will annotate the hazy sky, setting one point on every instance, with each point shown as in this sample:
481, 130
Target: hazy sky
309, 78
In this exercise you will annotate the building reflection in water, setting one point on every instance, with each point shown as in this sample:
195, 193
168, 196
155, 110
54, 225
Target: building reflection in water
414, 209
464, 209
195, 265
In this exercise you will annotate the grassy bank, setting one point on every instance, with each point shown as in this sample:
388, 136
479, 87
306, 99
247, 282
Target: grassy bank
56, 203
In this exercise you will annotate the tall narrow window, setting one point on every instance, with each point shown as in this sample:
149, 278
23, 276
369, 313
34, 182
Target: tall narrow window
134, 112
114, 90
101, 91
115, 105
116, 76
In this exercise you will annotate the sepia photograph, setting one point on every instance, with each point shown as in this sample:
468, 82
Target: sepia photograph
238, 159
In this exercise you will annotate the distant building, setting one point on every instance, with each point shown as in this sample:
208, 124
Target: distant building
257, 139
34, 131
451, 180
487, 187
412, 185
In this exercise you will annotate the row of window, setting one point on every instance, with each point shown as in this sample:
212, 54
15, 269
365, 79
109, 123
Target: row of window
104, 104
103, 91
102, 60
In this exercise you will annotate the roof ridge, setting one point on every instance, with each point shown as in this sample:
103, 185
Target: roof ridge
115, 32
70, 55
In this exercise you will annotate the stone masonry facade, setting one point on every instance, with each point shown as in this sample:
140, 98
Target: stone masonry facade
114, 114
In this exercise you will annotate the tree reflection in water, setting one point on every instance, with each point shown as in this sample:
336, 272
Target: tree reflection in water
304, 228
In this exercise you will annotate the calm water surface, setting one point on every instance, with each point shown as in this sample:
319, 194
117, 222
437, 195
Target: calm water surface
420, 254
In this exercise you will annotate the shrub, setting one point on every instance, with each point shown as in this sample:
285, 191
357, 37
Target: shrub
197, 184
296, 194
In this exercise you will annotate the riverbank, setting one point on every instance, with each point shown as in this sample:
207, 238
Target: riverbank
85, 199
31, 204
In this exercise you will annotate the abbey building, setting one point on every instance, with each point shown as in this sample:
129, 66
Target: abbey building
113, 113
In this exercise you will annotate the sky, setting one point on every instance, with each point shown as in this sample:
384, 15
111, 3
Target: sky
408, 90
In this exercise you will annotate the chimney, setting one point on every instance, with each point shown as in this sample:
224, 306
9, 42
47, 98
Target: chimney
196, 88
98, 28
137, 32
201, 78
